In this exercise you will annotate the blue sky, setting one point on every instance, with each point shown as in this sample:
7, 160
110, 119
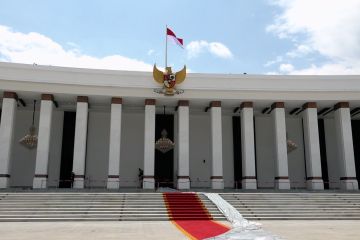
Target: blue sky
220, 36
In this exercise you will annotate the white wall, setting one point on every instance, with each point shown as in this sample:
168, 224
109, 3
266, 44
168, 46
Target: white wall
97, 149
265, 161
22, 168
200, 128
200, 171
296, 158
176, 159
265, 165
132, 148
228, 151
55, 148
333, 165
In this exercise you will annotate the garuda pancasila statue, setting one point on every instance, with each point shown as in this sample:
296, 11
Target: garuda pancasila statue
169, 79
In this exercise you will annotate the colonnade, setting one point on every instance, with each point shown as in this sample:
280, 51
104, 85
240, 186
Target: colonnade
249, 181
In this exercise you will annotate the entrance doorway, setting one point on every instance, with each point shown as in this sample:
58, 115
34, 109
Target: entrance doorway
324, 168
164, 162
67, 150
355, 124
237, 152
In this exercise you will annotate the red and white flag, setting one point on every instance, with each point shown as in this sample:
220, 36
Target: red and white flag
171, 34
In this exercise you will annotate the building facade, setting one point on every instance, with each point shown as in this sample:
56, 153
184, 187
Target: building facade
98, 128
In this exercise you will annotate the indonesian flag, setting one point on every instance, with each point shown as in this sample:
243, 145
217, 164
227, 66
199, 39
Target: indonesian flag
171, 34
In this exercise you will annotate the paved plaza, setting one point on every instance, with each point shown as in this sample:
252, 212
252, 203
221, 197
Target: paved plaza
291, 230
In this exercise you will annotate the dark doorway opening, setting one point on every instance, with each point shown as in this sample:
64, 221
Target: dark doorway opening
324, 168
355, 125
237, 152
164, 162
67, 150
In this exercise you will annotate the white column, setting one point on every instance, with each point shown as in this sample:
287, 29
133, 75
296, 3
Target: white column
314, 179
149, 145
114, 146
80, 141
281, 160
345, 146
247, 146
217, 181
8, 117
43, 145
183, 179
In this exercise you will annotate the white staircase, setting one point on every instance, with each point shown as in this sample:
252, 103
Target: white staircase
86, 206
296, 206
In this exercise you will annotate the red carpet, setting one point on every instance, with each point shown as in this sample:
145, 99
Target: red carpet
189, 214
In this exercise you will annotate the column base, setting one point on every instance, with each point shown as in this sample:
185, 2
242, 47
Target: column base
349, 184
79, 182
113, 182
148, 183
217, 183
282, 184
183, 183
315, 184
249, 184
4, 181
40, 182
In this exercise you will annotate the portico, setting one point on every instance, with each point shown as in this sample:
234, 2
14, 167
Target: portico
116, 118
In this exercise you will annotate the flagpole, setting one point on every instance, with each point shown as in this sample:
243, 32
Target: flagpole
166, 47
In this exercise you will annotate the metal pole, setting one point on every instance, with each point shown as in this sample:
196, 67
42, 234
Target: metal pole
166, 48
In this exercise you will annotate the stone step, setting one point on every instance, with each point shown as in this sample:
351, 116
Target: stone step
299, 206
50, 219
74, 214
94, 207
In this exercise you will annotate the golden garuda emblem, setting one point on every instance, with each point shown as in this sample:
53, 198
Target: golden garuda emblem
169, 80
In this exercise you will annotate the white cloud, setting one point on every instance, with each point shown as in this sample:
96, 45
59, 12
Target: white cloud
286, 68
72, 44
272, 62
218, 49
150, 52
328, 27
326, 69
300, 51
36, 48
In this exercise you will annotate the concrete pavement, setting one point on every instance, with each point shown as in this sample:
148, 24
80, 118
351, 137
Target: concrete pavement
126, 230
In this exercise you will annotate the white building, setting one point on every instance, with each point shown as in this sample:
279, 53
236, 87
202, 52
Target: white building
229, 130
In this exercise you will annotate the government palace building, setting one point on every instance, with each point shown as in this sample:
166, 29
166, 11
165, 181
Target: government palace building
85, 128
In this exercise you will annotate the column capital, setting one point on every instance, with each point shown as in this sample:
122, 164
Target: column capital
341, 105
246, 105
215, 104
309, 105
183, 177
116, 100
183, 103
150, 101
82, 99
47, 97
11, 95
314, 178
277, 105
